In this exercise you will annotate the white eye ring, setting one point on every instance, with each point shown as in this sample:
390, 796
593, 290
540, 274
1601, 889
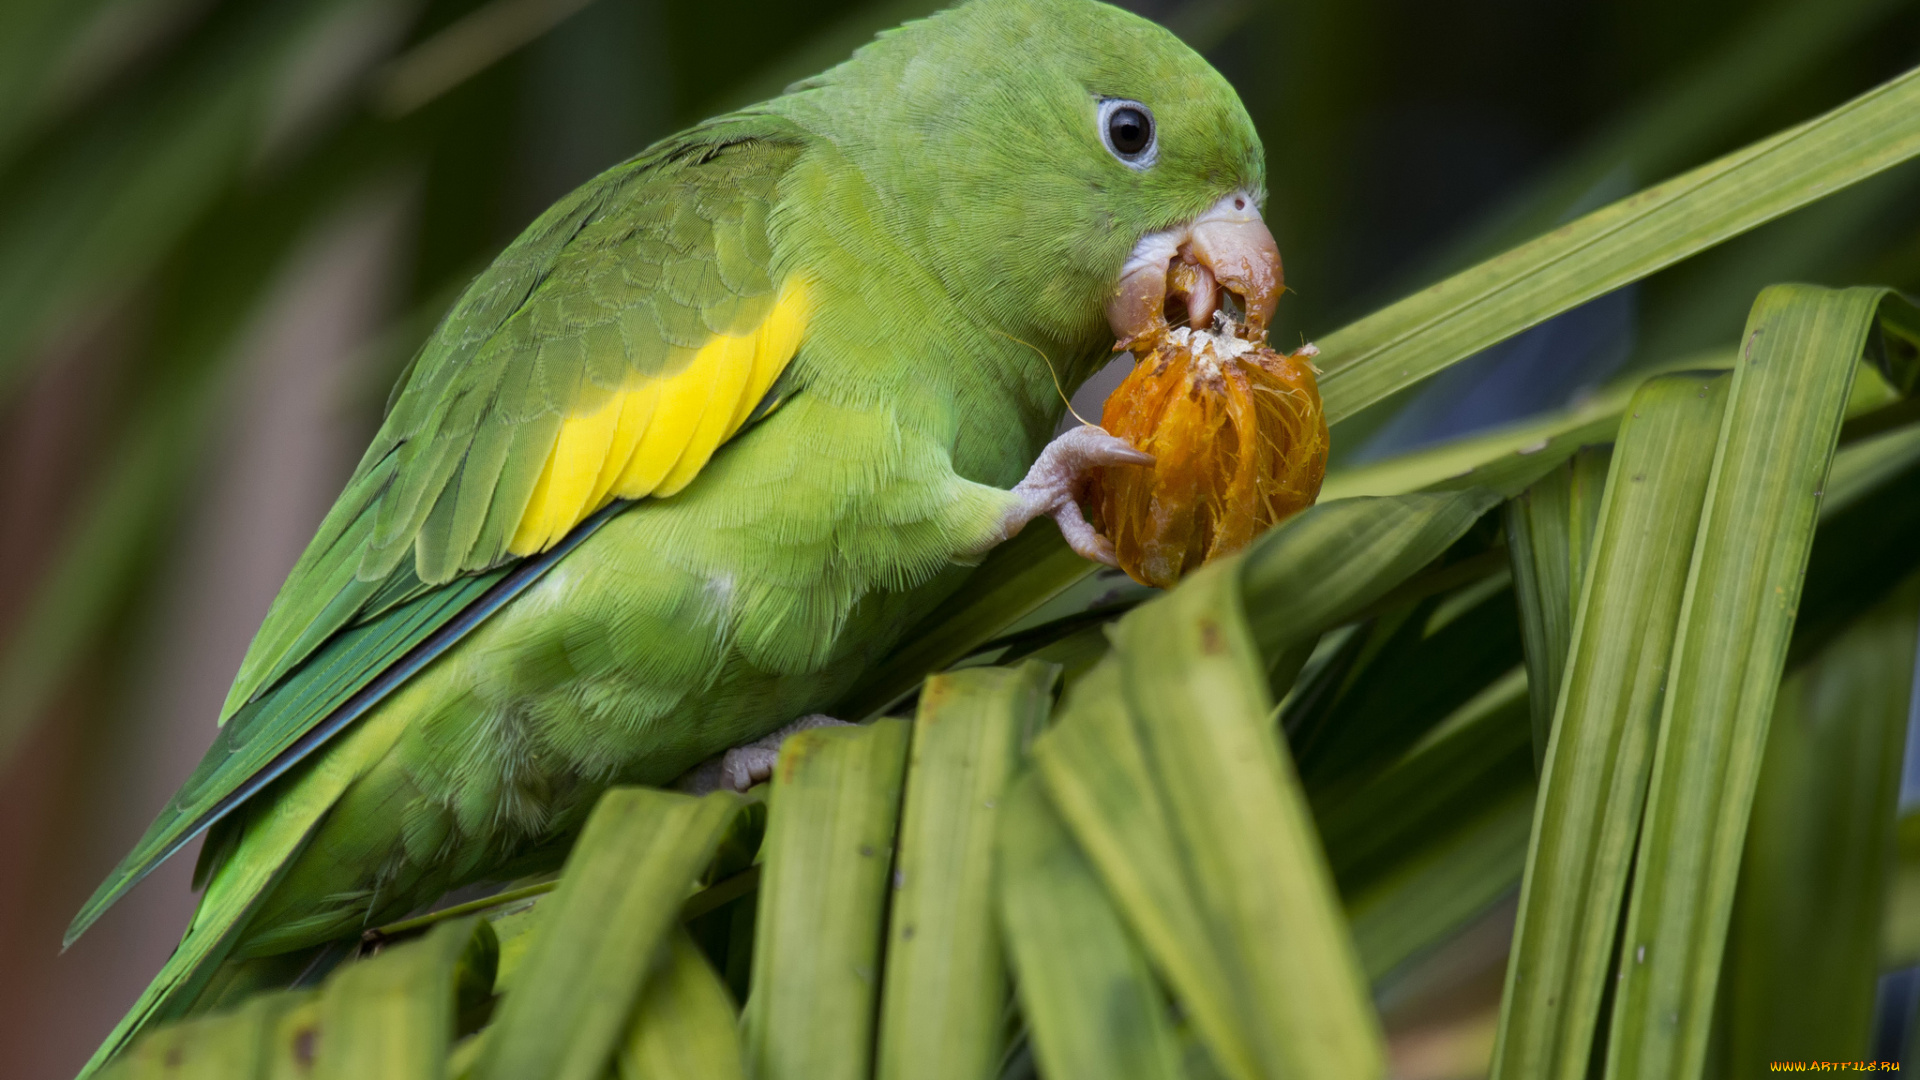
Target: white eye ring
1141, 157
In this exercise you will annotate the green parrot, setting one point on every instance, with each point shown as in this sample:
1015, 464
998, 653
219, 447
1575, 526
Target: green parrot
695, 450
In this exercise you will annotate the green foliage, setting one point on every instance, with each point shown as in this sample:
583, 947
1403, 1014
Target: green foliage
817, 942
1086, 991
945, 986
1805, 936
1776, 443
1550, 527
1603, 732
1617, 244
601, 931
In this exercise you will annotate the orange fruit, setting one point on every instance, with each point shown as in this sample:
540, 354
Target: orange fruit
1239, 440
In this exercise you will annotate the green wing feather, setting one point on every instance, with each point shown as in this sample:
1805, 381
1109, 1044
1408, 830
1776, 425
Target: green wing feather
663, 250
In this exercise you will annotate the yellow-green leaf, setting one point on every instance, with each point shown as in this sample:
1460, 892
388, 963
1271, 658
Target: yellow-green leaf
823, 899
237, 1044
1797, 361
1803, 947
685, 1026
393, 1015
1549, 533
1432, 329
1601, 751
1091, 1004
600, 932
1226, 881
296, 1038
1097, 776
943, 1002
1325, 565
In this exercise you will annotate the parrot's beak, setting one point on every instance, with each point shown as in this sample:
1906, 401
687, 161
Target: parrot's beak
1180, 272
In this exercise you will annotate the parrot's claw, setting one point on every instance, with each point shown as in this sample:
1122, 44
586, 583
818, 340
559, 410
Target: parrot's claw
1056, 482
744, 766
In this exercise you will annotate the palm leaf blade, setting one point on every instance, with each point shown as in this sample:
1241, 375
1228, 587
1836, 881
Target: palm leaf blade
1803, 947
1603, 728
1430, 330
1086, 991
603, 928
818, 936
1783, 418
944, 993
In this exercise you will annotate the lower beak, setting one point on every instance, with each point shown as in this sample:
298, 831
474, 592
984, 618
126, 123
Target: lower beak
1181, 272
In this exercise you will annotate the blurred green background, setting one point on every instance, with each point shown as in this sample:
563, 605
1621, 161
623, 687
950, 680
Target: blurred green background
226, 224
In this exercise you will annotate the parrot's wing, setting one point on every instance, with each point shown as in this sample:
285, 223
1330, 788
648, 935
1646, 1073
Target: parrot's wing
603, 358
604, 355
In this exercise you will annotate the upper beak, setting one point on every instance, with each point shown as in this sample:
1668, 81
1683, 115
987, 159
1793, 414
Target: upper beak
1228, 247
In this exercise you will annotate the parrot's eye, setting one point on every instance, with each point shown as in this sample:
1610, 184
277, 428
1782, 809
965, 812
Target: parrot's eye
1127, 129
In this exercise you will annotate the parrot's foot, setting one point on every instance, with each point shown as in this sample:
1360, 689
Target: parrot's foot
1054, 485
744, 766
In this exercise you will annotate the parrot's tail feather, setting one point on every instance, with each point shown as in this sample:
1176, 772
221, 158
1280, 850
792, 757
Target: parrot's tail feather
230, 778
266, 850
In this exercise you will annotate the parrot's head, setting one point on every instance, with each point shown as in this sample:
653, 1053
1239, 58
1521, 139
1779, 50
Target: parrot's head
1066, 169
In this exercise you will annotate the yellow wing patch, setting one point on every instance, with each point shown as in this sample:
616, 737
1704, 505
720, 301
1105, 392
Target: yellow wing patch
654, 436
